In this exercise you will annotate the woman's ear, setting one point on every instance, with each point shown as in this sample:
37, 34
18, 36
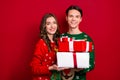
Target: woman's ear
66, 18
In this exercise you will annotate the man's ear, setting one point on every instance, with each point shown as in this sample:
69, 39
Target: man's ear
80, 19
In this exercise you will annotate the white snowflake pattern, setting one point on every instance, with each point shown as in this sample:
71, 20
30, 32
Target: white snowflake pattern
77, 77
85, 36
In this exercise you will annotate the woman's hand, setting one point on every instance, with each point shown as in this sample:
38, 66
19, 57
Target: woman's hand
62, 68
55, 67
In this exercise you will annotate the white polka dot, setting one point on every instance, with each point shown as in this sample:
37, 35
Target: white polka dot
52, 61
49, 57
40, 78
46, 54
44, 44
47, 65
45, 60
46, 79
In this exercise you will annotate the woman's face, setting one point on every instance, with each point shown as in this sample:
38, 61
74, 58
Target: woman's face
51, 25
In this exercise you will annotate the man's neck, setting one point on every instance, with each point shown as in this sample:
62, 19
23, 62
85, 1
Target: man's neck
74, 31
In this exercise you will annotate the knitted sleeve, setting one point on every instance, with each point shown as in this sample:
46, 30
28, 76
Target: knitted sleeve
37, 67
92, 61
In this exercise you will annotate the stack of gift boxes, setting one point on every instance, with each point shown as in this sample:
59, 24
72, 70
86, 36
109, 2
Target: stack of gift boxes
73, 53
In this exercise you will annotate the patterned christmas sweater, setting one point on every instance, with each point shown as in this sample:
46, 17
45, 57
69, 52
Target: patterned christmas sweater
42, 59
75, 74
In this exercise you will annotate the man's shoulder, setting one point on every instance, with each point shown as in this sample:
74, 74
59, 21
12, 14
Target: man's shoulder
87, 36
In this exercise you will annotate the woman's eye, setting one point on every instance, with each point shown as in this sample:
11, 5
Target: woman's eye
47, 23
54, 23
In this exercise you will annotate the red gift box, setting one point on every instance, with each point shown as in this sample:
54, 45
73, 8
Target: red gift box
77, 46
64, 39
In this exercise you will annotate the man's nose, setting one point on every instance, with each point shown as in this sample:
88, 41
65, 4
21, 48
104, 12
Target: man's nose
73, 18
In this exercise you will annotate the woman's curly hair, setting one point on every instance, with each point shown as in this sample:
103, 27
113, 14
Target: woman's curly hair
43, 32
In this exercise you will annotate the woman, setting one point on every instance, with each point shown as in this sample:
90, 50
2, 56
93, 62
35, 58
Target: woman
44, 58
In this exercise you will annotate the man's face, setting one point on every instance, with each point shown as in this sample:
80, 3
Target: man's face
74, 18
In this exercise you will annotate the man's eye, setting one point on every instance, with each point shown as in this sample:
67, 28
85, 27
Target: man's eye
77, 16
70, 16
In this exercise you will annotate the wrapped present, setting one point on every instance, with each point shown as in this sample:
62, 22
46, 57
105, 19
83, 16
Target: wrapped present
64, 39
77, 46
73, 60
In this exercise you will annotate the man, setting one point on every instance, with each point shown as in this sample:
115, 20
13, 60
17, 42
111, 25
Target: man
74, 17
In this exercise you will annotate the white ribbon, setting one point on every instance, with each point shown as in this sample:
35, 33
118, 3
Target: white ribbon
71, 48
87, 46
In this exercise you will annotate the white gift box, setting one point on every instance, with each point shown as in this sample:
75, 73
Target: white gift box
73, 60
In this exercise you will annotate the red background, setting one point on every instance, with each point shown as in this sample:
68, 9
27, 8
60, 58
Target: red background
19, 32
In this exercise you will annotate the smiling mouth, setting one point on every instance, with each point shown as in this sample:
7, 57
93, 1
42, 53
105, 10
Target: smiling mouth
73, 23
52, 29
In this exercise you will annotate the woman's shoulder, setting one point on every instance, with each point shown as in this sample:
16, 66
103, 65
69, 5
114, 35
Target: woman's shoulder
41, 42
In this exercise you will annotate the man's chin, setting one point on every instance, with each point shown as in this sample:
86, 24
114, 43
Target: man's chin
73, 27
